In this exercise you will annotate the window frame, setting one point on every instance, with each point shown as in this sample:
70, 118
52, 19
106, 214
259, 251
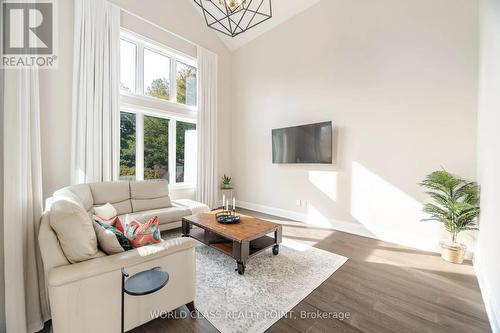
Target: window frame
142, 105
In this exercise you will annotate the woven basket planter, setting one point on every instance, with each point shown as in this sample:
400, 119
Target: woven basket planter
453, 252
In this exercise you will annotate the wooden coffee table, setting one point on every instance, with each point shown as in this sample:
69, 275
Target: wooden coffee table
240, 241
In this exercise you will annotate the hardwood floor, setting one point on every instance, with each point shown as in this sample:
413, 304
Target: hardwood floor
385, 288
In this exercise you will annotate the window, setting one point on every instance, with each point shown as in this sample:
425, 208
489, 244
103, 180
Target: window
186, 84
158, 118
155, 148
156, 75
185, 148
127, 146
127, 65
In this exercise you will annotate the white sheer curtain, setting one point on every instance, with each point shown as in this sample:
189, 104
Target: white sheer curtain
206, 180
96, 84
26, 302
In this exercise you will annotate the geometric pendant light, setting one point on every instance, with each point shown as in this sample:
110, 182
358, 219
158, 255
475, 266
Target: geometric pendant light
233, 17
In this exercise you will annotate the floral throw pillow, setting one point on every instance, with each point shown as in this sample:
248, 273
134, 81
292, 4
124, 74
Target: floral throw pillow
122, 239
143, 234
115, 222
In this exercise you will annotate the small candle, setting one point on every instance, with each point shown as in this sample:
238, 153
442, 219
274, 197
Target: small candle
223, 200
234, 203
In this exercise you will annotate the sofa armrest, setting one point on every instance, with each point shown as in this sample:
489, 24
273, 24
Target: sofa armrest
70, 273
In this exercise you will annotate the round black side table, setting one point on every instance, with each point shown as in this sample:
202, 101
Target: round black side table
142, 283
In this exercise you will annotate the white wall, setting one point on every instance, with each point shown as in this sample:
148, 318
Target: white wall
181, 18
144, 28
488, 248
399, 81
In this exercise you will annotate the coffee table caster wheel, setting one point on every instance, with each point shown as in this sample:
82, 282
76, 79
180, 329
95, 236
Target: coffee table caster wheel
276, 249
241, 268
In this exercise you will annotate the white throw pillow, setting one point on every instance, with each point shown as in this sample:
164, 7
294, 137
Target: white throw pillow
107, 240
106, 211
74, 230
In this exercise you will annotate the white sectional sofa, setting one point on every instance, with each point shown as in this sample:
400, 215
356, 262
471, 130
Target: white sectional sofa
86, 296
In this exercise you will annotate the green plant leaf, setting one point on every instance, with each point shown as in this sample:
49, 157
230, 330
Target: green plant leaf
455, 201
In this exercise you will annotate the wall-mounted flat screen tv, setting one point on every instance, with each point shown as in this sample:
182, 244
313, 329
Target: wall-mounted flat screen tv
303, 144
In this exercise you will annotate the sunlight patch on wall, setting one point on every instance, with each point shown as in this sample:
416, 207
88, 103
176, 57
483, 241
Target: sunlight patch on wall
325, 181
314, 217
389, 213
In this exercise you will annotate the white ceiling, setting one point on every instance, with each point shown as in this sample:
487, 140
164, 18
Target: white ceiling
283, 10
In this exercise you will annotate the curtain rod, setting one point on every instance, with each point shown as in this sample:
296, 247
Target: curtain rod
156, 25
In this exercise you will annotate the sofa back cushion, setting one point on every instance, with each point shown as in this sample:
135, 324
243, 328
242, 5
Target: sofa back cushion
149, 194
74, 229
116, 193
79, 193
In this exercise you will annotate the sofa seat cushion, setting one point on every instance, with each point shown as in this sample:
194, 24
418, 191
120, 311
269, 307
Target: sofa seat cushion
165, 215
116, 193
74, 230
150, 194
195, 207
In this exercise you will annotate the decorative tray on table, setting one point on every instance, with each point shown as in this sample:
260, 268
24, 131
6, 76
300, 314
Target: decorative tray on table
227, 217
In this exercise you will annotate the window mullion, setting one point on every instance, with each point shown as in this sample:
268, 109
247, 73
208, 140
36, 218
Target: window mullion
140, 70
172, 158
173, 82
139, 159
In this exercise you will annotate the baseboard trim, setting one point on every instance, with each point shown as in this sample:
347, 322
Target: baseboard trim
344, 226
416, 242
490, 303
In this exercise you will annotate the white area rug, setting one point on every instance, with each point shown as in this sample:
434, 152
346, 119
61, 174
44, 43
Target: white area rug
271, 286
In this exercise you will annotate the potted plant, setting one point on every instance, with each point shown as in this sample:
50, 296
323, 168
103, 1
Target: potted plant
456, 205
226, 181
